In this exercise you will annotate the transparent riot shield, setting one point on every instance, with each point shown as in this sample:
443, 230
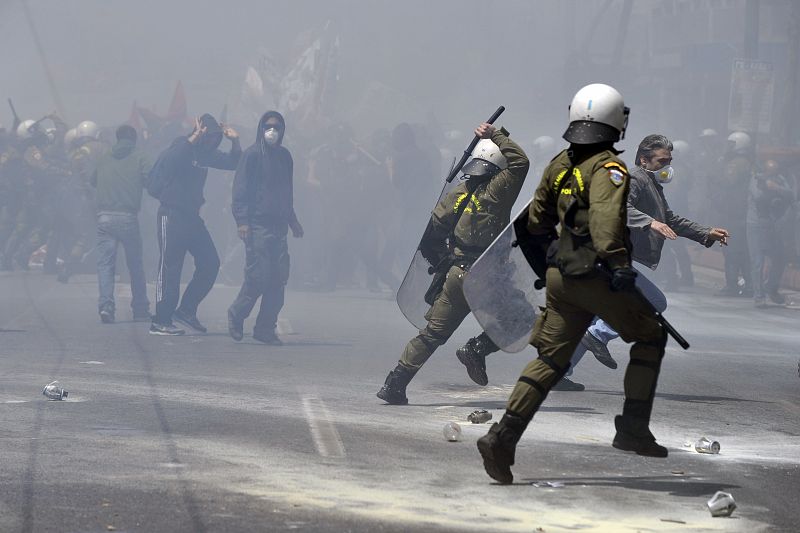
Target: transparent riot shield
418, 278
500, 291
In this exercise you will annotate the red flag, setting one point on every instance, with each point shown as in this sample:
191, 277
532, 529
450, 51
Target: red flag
151, 119
177, 109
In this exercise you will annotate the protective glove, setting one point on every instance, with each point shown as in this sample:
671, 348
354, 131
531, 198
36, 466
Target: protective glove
623, 279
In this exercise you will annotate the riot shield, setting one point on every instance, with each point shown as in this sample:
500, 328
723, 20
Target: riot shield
500, 291
411, 296
418, 278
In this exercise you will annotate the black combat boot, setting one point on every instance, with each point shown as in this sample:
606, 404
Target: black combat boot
394, 389
498, 446
633, 433
473, 356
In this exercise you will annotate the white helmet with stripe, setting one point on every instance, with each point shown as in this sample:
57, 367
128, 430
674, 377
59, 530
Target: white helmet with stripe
597, 114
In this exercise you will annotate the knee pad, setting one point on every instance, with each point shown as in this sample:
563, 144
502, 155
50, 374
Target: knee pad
431, 340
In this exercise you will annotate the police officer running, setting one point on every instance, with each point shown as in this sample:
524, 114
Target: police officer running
463, 225
584, 189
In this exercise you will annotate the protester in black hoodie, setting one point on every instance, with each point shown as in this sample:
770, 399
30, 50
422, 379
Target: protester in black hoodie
177, 181
263, 207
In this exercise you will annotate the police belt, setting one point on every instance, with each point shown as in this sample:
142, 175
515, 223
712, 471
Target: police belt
469, 254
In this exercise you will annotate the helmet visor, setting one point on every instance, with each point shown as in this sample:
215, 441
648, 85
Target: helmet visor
479, 167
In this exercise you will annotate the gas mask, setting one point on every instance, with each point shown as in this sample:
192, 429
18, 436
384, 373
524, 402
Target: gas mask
664, 174
272, 135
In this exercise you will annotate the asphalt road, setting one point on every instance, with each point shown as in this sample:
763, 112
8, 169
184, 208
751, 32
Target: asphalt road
203, 434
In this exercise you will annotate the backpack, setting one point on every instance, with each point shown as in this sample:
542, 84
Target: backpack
159, 177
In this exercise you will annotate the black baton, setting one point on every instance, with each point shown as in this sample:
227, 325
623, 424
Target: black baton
659, 317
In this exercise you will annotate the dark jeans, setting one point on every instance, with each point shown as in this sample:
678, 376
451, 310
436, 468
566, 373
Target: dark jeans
178, 233
265, 275
765, 243
114, 229
675, 260
737, 260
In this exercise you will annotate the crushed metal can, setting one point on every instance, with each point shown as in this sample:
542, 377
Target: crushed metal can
480, 416
54, 391
705, 445
721, 504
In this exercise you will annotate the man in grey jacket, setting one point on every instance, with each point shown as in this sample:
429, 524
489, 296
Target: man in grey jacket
651, 222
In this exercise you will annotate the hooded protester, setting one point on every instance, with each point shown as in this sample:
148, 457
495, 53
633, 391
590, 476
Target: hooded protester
177, 181
263, 207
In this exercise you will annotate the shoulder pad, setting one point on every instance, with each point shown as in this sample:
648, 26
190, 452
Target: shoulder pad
615, 165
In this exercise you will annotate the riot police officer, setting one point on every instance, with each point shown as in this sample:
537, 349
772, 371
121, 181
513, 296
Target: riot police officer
584, 189
462, 226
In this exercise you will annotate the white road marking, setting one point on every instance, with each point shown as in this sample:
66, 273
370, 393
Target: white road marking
324, 433
92, 363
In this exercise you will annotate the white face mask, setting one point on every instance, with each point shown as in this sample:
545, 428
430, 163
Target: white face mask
664, 174
271, 135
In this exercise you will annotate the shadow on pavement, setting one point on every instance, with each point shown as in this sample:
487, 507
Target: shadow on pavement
674, 485
688, 398
502, 405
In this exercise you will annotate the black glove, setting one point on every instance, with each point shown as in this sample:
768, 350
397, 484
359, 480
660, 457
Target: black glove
623, 279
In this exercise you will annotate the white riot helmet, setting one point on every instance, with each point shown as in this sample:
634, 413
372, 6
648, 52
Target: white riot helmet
544, 144
51, 134
680, 147
26, 129
739, 142
597, 114
87, 128
487, 159
70, 137
708, 132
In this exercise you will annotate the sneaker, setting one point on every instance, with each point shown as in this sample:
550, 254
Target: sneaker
777, 298
599, 350
165, 329
235, 327
566, 384
268, 338
728, 291
189, 320
106, 316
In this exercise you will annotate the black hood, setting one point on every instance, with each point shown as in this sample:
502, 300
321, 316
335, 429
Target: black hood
213, 136
262, 128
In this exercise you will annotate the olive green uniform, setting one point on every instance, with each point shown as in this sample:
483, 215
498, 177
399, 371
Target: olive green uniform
486, 215
577, 291
12, 192
33, 223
